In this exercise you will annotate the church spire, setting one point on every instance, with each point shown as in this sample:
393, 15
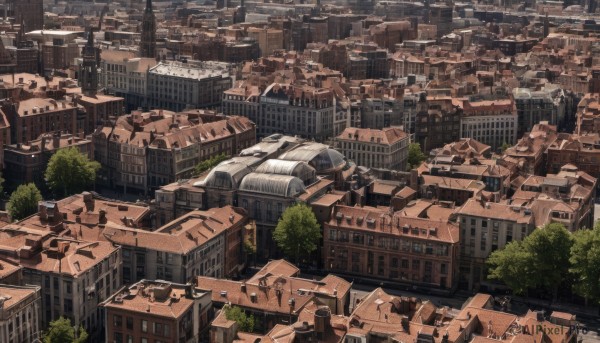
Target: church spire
148, 41
89, 67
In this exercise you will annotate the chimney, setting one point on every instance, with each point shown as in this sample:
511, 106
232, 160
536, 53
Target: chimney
56, 141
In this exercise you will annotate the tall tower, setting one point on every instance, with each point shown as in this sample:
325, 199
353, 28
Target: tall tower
89, 68
148, 43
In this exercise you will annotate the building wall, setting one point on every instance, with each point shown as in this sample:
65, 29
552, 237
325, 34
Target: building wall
374, 154
177, 93
78, 298
207, 259
389, 256
494, 130
21, 323
480, 236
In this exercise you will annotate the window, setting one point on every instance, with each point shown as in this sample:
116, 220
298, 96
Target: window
167, 330
144, 325
129, 323
118, 337
117, 321
416, 264
157, 329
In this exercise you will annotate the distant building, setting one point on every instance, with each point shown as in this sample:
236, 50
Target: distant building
30, 12
438, 123
384, 149
124, 75
491, 122
156, 311
176, 86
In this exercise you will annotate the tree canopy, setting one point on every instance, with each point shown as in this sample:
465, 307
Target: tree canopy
297, 233
210, 163
504, 147
245, 322
415, 155
513, 266
61, 331
585, 263
550, 248
70, 172
541, 260
23, 201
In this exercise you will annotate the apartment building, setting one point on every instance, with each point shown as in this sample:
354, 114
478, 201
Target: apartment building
532, 148
156, 311
492, 122
20, 309
296, 110
536, 106
26, 163
484, 228
197, 243
582, 151
268, 39
125, 75
176, 86
31, 118
438, 124
244, 101
276, 295
148, 149
75, 275
383, 149
369, 242
100, 109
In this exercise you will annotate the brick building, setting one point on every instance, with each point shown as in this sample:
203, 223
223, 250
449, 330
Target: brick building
368, 242
31, 118
26, 163
156, 311
438, 124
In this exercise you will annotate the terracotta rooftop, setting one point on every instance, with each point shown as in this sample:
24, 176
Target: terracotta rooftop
386, 136
180, 236
11, 295
160, 298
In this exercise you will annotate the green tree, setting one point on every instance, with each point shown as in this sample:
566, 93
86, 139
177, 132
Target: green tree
513, 266
504, 147
415, 155
550, 248
210, 163
70, 172
297, 232
23, 201
541, 260
61, 331
585, 263
245, 322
